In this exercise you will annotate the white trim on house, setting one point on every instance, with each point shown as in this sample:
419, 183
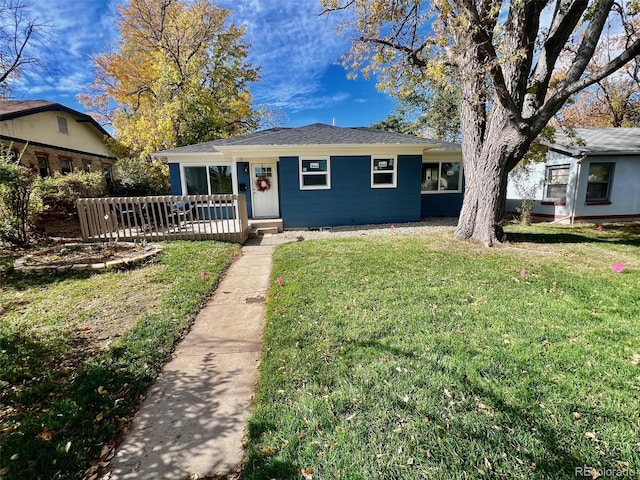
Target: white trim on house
441, 159
183, 179
381, 164
311, 162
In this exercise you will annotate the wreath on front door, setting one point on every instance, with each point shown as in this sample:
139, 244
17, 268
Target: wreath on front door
263, 184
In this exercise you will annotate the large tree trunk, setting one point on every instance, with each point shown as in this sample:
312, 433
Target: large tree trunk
484, 196
487, 155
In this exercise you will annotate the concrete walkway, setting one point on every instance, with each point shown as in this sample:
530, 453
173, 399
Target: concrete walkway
192, 423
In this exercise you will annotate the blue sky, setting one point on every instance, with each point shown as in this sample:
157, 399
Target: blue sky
297, 50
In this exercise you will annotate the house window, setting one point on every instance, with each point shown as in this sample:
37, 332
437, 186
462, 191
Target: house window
208, 180
383, 172
441, 177
43, 165
599, 182
65, 166
86, 166
556, 180
62, 125
107, 173
315, 174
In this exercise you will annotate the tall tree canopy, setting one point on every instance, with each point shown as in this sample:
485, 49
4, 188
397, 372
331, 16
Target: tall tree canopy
179, 76
613, 101
505, 54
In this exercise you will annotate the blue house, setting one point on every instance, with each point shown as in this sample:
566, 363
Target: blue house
321, 175
592, 175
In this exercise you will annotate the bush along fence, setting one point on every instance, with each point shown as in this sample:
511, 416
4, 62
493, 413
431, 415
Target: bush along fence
166, 217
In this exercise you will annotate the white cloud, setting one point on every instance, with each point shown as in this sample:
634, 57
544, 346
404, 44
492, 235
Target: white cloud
75, 31
289, 41
292, 44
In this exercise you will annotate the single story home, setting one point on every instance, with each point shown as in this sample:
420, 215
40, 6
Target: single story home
592, 175
322, 176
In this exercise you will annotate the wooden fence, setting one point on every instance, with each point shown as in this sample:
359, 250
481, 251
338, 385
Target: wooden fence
167, 217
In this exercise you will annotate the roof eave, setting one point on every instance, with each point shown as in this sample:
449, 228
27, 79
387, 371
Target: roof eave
79, 116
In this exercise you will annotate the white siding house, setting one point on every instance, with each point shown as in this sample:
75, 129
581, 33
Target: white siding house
594, 176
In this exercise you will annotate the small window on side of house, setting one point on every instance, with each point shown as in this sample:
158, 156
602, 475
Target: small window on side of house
62, 124
65, 166
43, 165
556, 181
599, 182
384, 172
315, 174
86, 166
107, 173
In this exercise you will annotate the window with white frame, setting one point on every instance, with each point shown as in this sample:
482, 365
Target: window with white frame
384, 172
599, 182
315, 173
556, 180
208, 180
441, 177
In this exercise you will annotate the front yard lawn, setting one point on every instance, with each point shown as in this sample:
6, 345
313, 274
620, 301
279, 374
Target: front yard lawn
79, 351
405, 358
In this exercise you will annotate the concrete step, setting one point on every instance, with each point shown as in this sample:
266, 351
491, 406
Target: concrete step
254, 233
264, 227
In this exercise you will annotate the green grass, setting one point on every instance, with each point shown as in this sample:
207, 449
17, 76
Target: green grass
404, 358
78, 353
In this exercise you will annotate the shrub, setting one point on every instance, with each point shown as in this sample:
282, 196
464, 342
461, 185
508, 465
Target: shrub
17, 184
60, 192
140, 177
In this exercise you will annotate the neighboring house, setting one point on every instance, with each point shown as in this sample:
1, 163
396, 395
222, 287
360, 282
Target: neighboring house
322, 176
57, 138
592, 176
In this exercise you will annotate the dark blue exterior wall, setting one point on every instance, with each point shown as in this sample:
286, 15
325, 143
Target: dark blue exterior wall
244, 184
351, 200
174, 178
440, 204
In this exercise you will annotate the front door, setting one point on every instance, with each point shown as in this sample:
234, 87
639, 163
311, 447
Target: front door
264, 189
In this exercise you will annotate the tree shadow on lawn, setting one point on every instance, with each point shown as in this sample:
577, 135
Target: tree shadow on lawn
631, 239
49, 399
554, 460
19, 281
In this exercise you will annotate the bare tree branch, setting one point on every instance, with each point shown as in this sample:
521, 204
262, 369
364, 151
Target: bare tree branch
18, 34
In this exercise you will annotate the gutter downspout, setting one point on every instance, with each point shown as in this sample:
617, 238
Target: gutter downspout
575, 191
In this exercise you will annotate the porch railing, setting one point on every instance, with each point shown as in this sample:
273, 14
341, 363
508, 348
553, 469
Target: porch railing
166, 217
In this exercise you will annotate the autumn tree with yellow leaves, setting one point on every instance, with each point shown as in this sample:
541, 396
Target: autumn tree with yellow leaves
179, 76
505, 54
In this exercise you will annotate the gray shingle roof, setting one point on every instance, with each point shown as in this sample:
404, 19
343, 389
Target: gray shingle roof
316, 134
599, 141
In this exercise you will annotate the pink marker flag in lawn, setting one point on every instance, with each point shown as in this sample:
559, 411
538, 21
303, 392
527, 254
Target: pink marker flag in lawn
599, 228
280, 281
618, 267
203, 276
522, 273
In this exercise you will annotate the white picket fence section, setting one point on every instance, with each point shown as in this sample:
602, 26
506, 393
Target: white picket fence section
164, 217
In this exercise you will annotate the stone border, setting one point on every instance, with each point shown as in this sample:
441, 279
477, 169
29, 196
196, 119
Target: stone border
148, 251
